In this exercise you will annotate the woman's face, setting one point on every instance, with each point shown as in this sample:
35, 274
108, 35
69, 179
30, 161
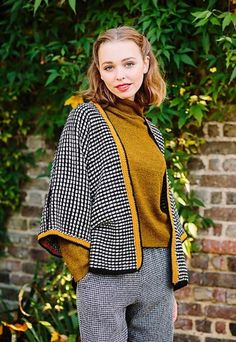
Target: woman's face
122, 67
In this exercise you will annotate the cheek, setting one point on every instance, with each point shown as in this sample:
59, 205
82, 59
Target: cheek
104, 76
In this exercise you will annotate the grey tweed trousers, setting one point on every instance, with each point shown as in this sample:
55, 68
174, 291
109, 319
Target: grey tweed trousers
134, 307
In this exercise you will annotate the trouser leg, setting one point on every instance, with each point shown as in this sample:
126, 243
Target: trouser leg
133, 307
101, 303
151, 318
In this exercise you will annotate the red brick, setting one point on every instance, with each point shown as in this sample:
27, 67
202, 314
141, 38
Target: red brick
229, 164
10, 265
216, 197
31, 211
9, 292
231, 262
220, 279
220, 327
196, 278
219, 181
192, 309
219, 247
213, 130
184, 324
199, 260
38, 254
221, 311
229, 130
230, 113
20, 279
219, 147
219, 262
231, 231
217, 229
183, 293
203, 325
29, 267
214, 164
18, 252
202, 293
222, 214
219, 295
186, 338
39, 184
195, 163
230, 198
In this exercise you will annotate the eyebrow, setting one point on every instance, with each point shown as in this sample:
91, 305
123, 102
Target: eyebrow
123, 60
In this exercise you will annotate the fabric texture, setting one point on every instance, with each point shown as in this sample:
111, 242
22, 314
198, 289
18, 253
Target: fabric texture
91, 200
76, 258
147, 169
134, 307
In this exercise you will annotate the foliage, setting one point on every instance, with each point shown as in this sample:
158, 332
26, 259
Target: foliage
45, 50
46, 310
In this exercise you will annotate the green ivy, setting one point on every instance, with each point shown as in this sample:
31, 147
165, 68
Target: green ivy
44, 54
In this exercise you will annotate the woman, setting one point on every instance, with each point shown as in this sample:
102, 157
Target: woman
109, 211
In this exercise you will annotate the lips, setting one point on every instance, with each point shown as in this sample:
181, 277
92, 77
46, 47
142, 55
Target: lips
123, 87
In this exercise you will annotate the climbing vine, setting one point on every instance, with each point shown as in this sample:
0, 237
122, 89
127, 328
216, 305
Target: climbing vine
44, 53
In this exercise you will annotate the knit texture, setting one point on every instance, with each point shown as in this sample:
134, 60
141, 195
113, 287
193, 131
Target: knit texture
147, 168
91, 199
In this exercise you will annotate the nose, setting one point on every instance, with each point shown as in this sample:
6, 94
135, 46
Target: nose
120, 74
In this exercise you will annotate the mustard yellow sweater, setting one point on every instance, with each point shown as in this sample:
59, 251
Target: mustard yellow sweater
147, 168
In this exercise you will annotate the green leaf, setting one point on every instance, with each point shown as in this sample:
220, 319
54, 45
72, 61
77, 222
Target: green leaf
215, 21
226, 21
187, 60
201, 15
177, 60
192, 229
233, 18
206, 43
175, 102
181, 121
36, 5
51, 78
72, 4
233, 75
197, 113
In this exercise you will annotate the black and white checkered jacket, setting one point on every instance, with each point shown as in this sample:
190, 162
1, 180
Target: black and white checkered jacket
91, 200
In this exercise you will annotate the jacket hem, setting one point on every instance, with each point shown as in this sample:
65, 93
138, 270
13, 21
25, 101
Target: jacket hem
43, 241
180, 284
105, 271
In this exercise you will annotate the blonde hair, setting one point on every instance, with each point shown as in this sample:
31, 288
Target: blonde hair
153, 89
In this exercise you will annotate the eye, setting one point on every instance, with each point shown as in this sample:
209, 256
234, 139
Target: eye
129, 64
108, 67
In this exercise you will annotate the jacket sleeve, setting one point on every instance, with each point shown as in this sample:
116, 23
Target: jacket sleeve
67, 208
76, 258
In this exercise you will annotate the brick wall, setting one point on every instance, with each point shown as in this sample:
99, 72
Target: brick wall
207, 307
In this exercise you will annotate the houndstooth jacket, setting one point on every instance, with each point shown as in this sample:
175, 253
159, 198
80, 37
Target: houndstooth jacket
91, 200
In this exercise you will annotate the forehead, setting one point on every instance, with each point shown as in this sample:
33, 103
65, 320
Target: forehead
116, 51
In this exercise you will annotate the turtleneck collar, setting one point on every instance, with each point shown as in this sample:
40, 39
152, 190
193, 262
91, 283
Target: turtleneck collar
126, 107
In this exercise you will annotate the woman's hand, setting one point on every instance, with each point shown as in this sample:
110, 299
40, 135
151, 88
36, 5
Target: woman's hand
175, 309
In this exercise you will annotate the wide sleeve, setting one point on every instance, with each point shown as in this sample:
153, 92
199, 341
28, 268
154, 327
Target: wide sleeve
67, 209
76, 258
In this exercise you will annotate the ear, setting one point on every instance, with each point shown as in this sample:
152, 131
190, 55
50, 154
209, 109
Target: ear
146, 64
